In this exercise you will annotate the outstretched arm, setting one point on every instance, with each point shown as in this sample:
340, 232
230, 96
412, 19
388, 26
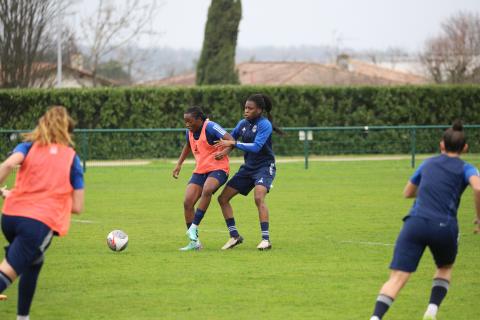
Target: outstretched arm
264, 130
226, 150
185, 152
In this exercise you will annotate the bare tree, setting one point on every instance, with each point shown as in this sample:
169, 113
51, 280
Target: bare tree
454, 55
25, 37
113, 27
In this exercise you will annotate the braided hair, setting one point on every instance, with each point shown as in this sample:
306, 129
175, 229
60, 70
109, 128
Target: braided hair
265, 103
196, 112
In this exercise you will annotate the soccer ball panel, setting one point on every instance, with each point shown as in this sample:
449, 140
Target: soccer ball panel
117, 240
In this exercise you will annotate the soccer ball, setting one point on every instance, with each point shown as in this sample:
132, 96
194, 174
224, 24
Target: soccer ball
117, 240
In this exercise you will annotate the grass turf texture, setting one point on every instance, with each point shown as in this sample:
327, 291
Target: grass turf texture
332, 228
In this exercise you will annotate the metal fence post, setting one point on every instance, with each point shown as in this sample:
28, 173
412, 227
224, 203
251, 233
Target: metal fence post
413, 139
85, 150
306, 150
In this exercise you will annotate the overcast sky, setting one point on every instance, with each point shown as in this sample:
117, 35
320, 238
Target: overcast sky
357, 24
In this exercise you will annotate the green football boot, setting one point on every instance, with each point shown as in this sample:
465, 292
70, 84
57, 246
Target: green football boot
192, 233
192, 246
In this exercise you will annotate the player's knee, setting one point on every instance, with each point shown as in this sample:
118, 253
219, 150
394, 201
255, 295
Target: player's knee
188, 204
222, 200
444, 272
398, 279
259, 200
207, 192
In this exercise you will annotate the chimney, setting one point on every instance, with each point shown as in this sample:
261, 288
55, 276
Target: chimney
343, 62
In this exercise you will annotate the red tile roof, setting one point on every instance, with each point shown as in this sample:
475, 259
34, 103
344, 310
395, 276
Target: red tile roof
306, 73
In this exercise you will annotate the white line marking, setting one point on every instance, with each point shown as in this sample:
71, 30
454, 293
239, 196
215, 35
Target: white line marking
83, 221
368, 243
213, 231
117, 163
326, 159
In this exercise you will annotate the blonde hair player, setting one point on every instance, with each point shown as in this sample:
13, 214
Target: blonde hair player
49, 187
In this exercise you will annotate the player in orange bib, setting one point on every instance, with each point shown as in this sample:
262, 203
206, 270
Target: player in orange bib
48, 188
211, 170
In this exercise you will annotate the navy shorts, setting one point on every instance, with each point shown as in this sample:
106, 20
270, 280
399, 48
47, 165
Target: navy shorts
417, 234
28, 239
245, 180
200, 178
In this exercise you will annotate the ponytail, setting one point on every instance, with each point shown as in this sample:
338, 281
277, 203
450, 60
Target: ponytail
265, 103
454, 137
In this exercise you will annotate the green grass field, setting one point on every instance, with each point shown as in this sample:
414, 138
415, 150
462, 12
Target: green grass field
332, 230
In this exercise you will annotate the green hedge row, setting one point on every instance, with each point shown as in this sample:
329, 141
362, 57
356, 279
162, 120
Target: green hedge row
293, 107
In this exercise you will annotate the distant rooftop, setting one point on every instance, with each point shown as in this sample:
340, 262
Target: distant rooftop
348, 73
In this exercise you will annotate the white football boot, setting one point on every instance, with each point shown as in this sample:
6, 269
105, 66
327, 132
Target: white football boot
264, 245
232, 242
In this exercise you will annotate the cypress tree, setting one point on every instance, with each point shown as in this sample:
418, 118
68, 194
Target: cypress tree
217, 60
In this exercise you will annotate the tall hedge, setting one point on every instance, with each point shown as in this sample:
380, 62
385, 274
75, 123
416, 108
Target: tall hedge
293, 106
217, 60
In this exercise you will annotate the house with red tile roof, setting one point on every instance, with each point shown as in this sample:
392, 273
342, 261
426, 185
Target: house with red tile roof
354, 73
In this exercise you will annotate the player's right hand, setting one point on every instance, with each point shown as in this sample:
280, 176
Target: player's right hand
477, 227
222, 143
4, 192
176, 172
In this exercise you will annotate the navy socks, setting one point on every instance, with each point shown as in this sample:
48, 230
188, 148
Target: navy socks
199, 214
381, 306
232, 229
265, 232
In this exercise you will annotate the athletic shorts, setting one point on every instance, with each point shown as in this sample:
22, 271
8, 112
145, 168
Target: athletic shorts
200, 178
417, 234
28, 239
245, 180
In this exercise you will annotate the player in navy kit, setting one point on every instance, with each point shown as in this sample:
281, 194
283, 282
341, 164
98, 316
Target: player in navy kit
437, 185
253, 135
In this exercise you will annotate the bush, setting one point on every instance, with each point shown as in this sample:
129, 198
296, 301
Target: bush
113, 108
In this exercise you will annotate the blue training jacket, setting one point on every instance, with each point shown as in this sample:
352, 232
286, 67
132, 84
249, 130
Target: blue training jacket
256, 141
441, 181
